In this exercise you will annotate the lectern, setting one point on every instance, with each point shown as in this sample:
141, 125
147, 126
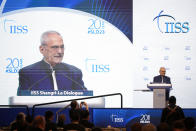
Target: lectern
159, 94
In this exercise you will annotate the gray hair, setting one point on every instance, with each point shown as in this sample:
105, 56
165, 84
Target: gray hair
162, 68
44, 36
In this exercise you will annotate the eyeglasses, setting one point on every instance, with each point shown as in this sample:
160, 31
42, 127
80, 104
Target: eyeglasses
55, 47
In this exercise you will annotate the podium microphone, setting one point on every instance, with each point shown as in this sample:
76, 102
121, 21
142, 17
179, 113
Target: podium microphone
40, 80
74, 81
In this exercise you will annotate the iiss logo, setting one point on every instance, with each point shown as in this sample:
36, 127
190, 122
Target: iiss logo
12, 27
170, 25
187, 58
96, 26
95, 66
117, 119
14, 65
145, 118
187, 48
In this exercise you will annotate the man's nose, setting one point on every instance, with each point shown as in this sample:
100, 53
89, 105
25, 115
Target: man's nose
60, 50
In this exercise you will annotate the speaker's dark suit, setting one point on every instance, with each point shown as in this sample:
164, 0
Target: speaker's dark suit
38, 76
158, 79
166, 79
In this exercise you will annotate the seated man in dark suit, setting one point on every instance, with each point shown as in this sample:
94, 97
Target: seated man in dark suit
162, 79
50, 125
85, 116
172, 112
50, 73
74, 125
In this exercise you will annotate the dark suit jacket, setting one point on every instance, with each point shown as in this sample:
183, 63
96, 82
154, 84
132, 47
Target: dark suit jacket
38, 76
50, 126
86, 124
158, 79
72, 126
172, 113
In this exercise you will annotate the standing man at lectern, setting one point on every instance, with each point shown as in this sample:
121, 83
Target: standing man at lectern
50, 73
163, 79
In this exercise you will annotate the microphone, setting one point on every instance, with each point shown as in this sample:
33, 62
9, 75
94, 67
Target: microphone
37, 82
74, 81
34, 84
40, 80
